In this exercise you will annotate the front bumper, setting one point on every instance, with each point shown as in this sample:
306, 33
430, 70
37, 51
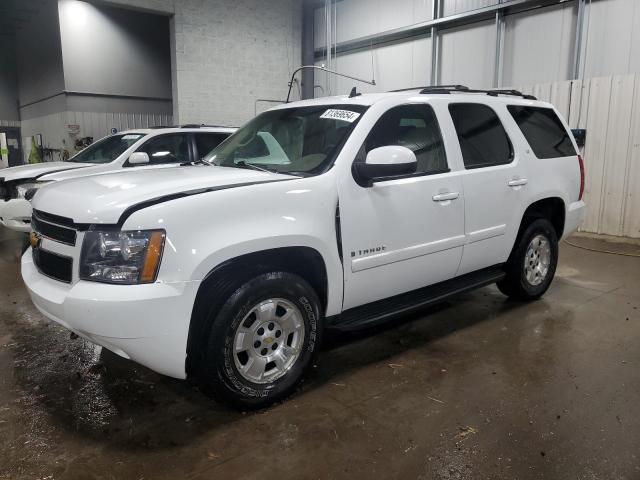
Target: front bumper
16, 214
145, 323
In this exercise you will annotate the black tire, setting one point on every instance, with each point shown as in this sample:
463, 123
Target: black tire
515, 284
218, 374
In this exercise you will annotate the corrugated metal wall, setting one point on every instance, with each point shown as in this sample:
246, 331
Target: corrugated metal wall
538, 45
609, 108
97, 125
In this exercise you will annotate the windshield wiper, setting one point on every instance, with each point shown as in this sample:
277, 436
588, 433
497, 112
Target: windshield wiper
243, 164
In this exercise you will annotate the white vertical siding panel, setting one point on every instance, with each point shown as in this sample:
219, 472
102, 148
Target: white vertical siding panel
542, 91
595, 149
560, 97
102, 126
631, 221
579, 93
110, 123
616, 149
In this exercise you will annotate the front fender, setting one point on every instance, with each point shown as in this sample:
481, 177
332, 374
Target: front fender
208, 229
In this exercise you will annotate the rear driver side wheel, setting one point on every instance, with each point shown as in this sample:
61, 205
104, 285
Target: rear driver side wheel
262, 341
532, 264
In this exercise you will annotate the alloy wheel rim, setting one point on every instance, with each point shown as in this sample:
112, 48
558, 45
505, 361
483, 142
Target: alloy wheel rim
537, 260
268, 341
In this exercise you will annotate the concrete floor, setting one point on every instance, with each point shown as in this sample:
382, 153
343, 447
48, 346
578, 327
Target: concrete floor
478, 388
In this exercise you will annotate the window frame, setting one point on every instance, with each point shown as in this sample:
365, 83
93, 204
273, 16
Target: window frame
361, 156
512, 154
190, 150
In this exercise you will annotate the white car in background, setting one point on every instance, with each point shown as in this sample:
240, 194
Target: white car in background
139, 148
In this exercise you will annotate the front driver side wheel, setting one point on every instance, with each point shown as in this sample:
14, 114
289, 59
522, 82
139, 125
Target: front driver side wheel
262, 341
532, 264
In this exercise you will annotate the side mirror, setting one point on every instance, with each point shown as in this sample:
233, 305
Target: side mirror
383, 163
139, 158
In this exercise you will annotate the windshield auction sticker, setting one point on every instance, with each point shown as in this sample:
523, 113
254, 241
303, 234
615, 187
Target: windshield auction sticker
344, 115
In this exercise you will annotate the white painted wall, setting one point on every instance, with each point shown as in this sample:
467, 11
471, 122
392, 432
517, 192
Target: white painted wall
538, 45
613, 43
393, 66
359, 18
451, 7
467, 55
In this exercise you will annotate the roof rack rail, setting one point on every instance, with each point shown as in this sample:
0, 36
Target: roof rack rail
461, 88
202, 125
443, 87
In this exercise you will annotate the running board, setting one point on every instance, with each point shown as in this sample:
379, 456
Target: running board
383, 310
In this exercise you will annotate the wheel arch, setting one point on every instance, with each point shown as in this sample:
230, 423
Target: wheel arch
307, 262
552, 208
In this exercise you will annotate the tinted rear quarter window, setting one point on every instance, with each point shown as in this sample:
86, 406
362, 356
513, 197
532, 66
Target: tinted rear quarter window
482, 137
543, 130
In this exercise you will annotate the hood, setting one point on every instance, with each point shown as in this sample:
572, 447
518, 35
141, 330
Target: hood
37, 170
99, 170
103, 198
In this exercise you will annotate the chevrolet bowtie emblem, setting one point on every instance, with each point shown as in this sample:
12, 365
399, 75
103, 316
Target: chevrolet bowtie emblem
34, 239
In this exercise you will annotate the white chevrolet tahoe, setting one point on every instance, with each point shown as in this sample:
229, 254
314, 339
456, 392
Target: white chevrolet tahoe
157, 147
336, 213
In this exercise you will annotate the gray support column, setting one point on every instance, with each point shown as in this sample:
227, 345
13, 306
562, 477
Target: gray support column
497, 68
577, 48
435, 44
307, 49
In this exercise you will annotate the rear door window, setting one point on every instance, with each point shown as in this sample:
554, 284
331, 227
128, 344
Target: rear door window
205, 142
483, 140
415, 127
543, 130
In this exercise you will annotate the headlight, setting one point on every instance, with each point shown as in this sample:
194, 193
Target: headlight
127, 258
23, 188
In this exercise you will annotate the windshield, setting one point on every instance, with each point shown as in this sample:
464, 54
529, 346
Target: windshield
107, 149
303, 141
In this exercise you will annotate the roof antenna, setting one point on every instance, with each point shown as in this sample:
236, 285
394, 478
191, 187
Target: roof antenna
354, 93
323, 69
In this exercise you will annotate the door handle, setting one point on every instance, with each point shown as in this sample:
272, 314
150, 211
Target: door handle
445, 197
517, 182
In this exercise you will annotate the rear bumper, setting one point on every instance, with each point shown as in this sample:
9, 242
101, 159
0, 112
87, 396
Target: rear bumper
574, 217
146, 323
16, 214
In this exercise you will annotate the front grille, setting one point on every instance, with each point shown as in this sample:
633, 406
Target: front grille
57, 219
53, 265
41, 224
